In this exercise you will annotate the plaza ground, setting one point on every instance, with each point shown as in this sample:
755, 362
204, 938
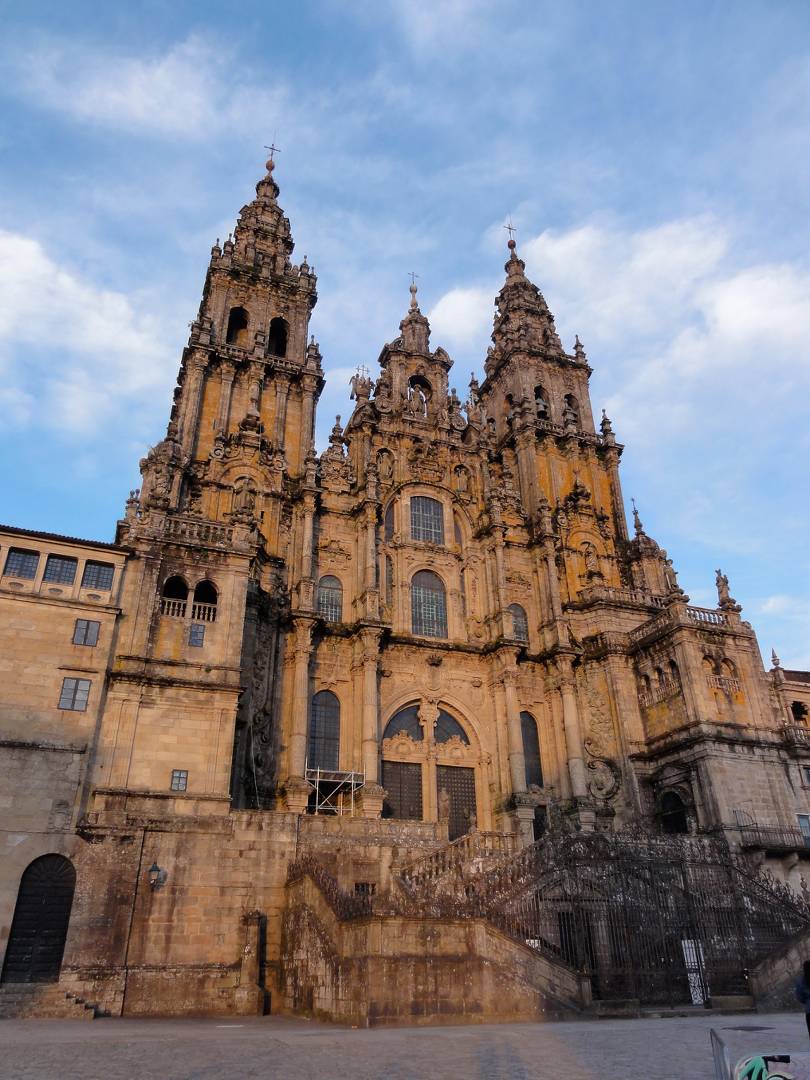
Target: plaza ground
674, 1048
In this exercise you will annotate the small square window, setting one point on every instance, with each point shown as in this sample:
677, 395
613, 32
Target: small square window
98, 575
85, 632
60, 569
75, 693
196, 635
22, 564
179, 779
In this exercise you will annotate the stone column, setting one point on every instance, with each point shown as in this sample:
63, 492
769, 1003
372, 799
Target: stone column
282, 393
309, 384
573, 732
192, 395
226, 376
371, 798
296, 788
517, 761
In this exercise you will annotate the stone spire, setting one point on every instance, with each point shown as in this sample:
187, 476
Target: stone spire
523, 321
414, 328
262, 235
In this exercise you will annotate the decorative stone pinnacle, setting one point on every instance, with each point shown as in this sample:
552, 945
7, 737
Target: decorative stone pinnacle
775, 661
636, 519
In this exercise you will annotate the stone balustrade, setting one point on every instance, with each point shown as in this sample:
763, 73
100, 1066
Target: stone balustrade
453, 858
664, 690
724, 682
198, 532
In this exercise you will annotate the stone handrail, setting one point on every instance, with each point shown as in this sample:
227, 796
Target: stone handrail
175, 609
452, 858
724, 682
658, 693
205, 532
204, 612
795, 733
610, 594
706, 615
773, 837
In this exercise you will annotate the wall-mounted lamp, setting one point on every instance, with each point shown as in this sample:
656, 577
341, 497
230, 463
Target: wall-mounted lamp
155, 875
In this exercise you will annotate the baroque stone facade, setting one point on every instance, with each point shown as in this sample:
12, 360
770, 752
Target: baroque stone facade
440, 627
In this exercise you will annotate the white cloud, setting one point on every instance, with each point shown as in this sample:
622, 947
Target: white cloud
462, 317
74, 356
190, 91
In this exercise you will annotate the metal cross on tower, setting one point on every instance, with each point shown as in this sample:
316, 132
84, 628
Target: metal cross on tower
273, 149
510, 228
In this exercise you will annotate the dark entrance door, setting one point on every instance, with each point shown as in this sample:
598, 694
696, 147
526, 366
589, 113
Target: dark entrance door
402, 781
39, 927
459, 783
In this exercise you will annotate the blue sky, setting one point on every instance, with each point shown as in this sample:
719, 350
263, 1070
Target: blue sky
654, 157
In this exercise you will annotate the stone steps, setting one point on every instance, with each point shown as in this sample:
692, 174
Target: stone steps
44, 1001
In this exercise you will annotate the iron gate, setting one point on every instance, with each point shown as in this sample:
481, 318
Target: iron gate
662, 920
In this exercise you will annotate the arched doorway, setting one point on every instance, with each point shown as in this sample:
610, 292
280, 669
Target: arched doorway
39, 928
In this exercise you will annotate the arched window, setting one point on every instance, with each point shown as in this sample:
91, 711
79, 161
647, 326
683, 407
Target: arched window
427, 519
798, 710
673, 813
173, 597
388, 526
204, 607
520, 624
447, 727
39, 928
463, 582
571, 410
324, 732
541, 403
428, 605
237, 327
277, 337
330, 599
674, 674
531, 750
659, 677
405, 722
508, 409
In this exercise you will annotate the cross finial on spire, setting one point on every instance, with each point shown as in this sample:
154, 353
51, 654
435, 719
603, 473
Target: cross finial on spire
273, 148
510, 228
636, 519
413, 276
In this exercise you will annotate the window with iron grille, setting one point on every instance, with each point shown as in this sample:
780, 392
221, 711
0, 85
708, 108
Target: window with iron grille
804, 825
427, 519
428, 605
365, 888
324, 731
97, 575
520, 624
196, 635
60, 569
447, 727
75, 693
179, 779
531, 750
22, 564
330, 599
85, 632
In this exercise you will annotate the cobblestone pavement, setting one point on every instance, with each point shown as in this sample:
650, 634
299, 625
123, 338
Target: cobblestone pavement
275, 1047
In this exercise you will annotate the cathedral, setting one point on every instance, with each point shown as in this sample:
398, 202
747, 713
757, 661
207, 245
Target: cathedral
331, 733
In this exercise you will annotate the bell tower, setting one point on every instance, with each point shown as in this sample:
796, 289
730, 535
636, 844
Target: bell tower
243, 419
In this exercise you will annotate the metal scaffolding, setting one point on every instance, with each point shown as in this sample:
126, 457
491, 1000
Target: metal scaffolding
333, 791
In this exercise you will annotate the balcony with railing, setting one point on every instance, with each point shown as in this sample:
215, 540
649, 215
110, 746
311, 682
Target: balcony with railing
775, 838
724, 682
667, 689
203, 612
175, 609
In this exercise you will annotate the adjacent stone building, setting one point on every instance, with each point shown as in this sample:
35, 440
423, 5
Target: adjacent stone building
310, 674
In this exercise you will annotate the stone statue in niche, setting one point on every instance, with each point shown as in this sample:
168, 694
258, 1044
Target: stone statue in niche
444, 805
462, 480
244, 498
385, 468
